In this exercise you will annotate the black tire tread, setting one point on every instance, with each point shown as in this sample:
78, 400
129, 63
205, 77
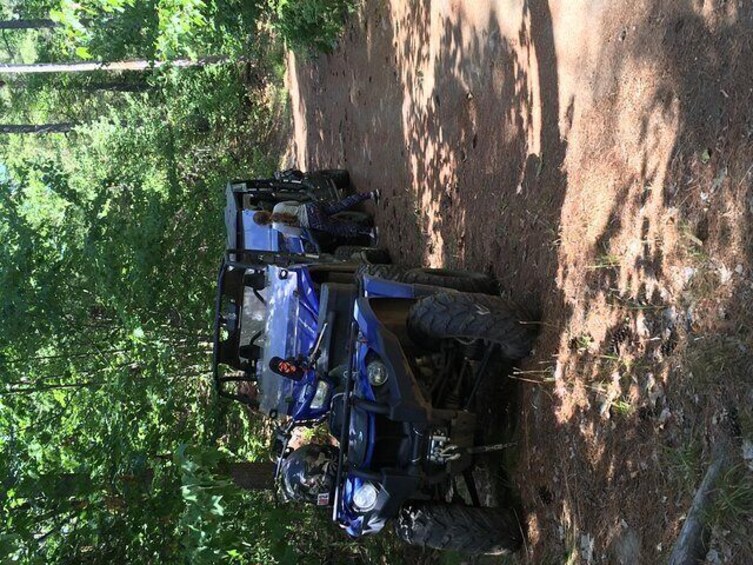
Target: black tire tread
460, 528
341, 177
458, 315
370, 255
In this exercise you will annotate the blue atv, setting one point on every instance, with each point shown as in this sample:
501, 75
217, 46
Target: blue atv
269, 297
244, 198
420, 342
275, 305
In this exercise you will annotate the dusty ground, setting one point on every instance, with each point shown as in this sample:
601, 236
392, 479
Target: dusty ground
596, 157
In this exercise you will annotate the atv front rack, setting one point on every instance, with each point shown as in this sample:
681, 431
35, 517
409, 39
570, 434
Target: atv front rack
223, 351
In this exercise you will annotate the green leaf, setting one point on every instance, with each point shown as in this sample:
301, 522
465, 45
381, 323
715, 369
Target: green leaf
83, 53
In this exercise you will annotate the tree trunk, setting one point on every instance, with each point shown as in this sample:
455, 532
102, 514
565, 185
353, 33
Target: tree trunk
35, 388
141, 65
28, 24
37, 128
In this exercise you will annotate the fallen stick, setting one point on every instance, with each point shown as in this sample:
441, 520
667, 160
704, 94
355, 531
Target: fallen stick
692, 543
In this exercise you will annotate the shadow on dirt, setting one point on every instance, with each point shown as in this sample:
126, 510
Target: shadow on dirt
460, 123
639, 406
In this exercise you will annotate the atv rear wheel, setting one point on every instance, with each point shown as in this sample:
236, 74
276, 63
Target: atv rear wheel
460, 528
340, 177
370, 255
466, 317
463, 281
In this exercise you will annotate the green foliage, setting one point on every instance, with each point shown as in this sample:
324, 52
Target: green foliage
112, 440
155, 29
112, 235
307, 24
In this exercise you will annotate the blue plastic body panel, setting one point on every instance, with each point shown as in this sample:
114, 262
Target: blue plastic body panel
290, 331
376, 287
405, 404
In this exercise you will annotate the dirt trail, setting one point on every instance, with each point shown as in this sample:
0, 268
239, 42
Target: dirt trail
595, 157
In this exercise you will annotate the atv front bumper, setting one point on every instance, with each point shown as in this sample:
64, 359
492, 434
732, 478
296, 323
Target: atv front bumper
389, 434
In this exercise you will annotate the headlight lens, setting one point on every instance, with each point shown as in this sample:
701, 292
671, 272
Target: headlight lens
320, 396
365, 497
376, 371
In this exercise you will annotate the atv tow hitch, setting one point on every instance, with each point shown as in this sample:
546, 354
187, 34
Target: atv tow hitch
449, 452
489, 448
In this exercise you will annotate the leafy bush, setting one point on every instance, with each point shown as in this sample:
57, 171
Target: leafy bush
307, 24
111, 238
112, 235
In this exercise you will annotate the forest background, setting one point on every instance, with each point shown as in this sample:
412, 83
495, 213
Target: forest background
115, 447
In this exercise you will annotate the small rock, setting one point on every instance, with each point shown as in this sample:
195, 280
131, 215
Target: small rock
587, 548
719, 180
687, 274
712, 557
655, 390
665, 415
739, 269
748, 453
689, 318
626, 547
642, 326
725, 275
604, 409
669, 315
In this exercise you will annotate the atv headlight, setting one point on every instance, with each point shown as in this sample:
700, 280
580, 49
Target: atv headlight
365, 497
377, 373
320, 396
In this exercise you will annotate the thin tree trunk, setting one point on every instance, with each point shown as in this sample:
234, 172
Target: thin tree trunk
37, 128
33, 389
141, 65
28, 24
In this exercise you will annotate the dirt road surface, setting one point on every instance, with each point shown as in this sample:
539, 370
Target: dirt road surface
596, 157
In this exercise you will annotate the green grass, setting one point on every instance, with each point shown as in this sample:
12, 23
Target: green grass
605, 261
623, 407
683, 464
732, 510
734, 496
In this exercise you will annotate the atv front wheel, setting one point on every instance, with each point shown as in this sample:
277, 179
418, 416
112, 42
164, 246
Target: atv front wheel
460, 528
463, 281
467, 317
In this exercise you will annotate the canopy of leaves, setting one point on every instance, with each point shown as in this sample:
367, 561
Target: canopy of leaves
112, 441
